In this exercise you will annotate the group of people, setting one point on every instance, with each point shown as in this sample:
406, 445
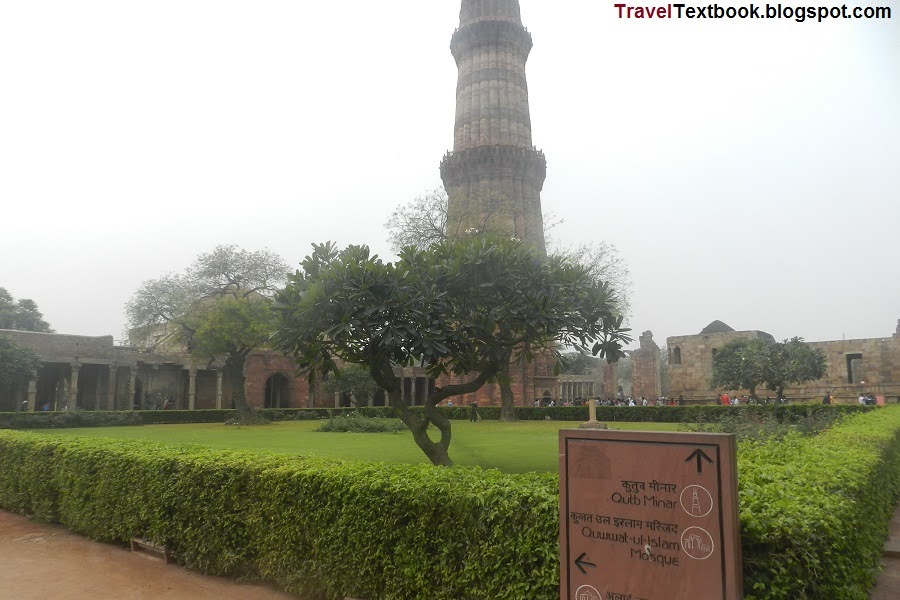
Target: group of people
726, 400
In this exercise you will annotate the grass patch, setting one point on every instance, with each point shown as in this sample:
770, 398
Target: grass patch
520, 447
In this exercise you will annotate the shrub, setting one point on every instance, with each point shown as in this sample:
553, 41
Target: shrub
815, 510
763, 426
359, 424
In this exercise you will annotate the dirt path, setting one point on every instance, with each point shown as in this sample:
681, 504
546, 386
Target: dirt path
40, 562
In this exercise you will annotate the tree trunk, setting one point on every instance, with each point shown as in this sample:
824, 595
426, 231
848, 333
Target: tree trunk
507, 399
437, 452
234, 368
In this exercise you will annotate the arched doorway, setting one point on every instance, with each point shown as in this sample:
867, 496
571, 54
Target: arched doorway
278, 392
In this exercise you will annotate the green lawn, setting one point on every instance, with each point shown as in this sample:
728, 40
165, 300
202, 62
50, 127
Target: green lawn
511, 447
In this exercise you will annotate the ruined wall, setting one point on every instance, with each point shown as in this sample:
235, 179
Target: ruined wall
877, 370
645, 376
849, 363
690, 362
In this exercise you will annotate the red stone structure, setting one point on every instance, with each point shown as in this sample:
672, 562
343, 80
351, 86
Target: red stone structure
494, 175
645, 378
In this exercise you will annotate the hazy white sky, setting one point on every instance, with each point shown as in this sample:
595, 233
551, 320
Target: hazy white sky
748, 171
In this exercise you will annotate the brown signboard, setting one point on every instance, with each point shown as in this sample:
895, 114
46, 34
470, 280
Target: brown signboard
648, 516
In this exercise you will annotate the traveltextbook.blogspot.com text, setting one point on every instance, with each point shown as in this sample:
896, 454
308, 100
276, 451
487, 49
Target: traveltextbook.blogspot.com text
799, 14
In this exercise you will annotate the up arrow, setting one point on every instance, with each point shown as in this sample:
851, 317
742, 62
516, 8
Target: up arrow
701, 456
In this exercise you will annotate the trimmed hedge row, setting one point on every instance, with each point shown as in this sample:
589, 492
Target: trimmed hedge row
815, 510
318, 528
659, 414
57, 420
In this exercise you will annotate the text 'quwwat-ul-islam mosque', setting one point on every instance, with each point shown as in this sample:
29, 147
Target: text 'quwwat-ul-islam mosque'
493, 164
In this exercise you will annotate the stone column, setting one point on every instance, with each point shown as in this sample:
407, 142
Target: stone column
111, 383
129, 396
592, 422
72, 400
32, 391
337, 399
97, 394
219, 388
192, 387
412, 390
403, 388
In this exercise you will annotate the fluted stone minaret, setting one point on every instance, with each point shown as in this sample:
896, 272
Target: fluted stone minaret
494, 175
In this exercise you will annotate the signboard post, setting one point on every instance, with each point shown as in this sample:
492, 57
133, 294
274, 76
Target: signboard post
648, 516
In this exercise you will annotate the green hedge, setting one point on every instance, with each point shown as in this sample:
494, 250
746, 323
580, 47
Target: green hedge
318, 528
658, 414
815, 510
55, 420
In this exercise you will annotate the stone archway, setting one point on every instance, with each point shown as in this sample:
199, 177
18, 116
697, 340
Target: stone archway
278, 392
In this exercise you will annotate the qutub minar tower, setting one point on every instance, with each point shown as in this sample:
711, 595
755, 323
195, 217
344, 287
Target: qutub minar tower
493, 169
494, 175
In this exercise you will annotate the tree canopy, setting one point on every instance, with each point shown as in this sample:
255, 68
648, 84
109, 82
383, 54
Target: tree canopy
577, 363
218, 309
353, 380
462, 308
21, 314
750, 363
424, 221
15, 361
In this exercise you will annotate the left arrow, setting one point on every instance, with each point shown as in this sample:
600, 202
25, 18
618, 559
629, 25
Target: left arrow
581, 563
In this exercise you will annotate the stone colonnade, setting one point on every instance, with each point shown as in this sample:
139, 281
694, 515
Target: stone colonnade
112, 387
571, 390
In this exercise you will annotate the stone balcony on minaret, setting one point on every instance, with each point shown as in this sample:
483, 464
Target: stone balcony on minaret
493, 162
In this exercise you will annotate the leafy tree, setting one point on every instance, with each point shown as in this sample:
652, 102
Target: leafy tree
603, 262
228, 329
425, 221
793, 362
740, 365
218, 309
22, 314
748, 364
577, 363
15, 361
353, 380
465, 309
420, 222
